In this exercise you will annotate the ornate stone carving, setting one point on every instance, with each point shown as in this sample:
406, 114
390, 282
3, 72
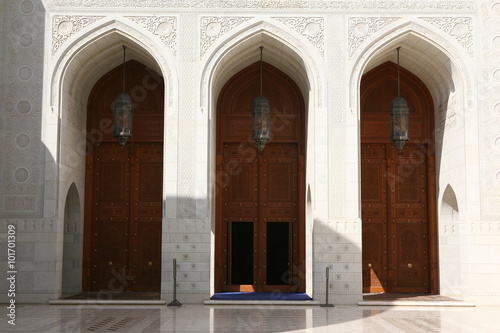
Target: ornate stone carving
164, 27
214, 27
312, 28
360, 28
65, 26
76, 117
22, 156
20, 203
268, 4
459, 28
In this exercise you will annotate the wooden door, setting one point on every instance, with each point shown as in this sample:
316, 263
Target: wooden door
260, 195
124, 187
395, 242
398, 190
261, 219
126, 236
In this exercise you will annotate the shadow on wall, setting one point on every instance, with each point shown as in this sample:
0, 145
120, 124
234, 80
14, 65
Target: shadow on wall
337, 246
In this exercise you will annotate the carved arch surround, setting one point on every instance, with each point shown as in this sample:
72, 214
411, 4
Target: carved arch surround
219, 56
390, 36
78, 45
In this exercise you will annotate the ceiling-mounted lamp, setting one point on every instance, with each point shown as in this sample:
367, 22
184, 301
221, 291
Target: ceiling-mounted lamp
122, 110
261, 116
399, 114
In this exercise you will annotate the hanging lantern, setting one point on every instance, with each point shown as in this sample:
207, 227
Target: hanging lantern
122, 111
261, 116
399, 114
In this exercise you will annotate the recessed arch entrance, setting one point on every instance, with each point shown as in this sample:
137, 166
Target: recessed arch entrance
260, 213
124, 188
398, 191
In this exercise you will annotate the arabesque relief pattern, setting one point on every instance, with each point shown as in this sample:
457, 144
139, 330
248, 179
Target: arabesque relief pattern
22, 154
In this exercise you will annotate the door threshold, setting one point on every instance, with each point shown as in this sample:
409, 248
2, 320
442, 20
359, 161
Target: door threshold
259, 302
410, 299
107, 297
261, 298
106, 302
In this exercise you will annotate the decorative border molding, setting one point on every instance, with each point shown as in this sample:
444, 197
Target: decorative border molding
164, 27
459, 28
360, 28
313, 28
29, 225
212, 28
65, 26
268, 4
186, 226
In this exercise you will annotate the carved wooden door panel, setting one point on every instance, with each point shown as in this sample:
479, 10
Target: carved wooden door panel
146, 214
110, 234
374, 215
126, 239
395, 222
407, 180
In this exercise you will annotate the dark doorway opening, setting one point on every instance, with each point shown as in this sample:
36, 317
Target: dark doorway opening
278, 253
241, 255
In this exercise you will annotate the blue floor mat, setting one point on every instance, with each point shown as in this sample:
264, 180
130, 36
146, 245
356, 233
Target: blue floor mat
261, 296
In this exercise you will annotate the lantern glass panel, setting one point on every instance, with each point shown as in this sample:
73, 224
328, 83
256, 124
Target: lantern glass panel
123, 118
399, 114
261, 121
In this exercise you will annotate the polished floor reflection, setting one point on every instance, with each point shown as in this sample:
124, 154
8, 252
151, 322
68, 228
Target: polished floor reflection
202, 318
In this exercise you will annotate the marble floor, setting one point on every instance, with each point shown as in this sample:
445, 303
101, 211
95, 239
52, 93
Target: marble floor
219, 318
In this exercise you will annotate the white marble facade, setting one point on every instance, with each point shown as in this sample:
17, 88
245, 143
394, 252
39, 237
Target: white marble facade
53, 51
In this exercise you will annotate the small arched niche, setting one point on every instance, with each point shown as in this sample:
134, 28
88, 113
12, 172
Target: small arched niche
73, 245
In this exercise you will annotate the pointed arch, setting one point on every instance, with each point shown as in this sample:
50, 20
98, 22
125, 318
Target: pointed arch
442, 64
90, 52
440, 77
449, 199
72, 243
453, 245
76, 67
285, 51
240, 49
74, 70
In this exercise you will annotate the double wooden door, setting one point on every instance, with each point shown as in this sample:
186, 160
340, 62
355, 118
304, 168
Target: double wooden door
260, 194
124, 185
126, 217
395, 218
